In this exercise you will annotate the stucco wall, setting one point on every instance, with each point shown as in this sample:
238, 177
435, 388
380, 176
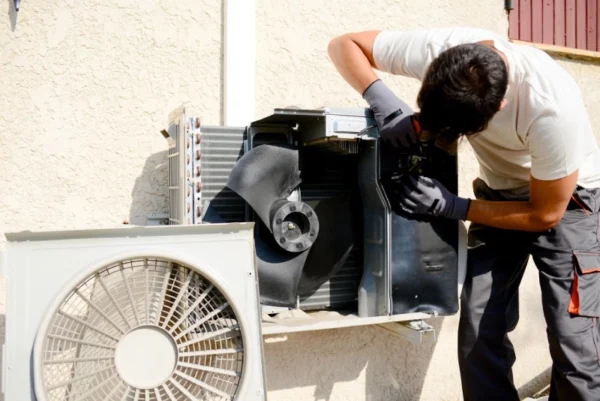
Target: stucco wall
85, 87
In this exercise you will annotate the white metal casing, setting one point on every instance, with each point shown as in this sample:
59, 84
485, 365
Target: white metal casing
43, 267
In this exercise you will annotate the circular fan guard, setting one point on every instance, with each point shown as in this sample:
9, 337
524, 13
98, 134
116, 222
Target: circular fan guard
145, 329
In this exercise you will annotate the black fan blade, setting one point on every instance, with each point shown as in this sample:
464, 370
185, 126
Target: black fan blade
333, 246
210, 214
278, 272
265, 175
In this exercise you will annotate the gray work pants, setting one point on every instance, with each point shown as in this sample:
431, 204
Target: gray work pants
568, 260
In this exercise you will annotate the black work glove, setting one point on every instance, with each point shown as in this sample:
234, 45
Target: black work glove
424, 195
392, 115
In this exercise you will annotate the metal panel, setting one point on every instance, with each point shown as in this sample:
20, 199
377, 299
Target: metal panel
341, 290
592, 25
537, 14
338, 178
513, 21
581, 23
374, 291
525, 20
548, 22
215, 155
560, 36
569, 23
180, 164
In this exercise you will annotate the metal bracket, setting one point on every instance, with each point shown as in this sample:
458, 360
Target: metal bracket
157, 219
414, 331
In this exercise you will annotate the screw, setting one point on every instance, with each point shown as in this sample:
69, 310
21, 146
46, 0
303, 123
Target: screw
312, 233
282, 240
309, 214
299, 245
293, 208
278, 221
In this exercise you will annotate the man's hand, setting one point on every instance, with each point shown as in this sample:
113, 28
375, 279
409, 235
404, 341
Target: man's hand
424, 195
393, 116
546, 206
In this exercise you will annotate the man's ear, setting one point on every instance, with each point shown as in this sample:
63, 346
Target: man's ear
503, 104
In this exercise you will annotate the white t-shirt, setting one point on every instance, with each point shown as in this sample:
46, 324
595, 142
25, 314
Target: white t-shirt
544, 130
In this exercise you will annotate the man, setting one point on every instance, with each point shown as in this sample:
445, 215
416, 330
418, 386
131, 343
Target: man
537, 193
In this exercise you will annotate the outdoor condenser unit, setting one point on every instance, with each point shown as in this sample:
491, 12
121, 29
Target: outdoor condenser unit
319, 188
166, 313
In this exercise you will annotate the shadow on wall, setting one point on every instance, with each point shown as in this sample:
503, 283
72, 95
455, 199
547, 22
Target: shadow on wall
535, 386
387, 367
150, 192
12, 15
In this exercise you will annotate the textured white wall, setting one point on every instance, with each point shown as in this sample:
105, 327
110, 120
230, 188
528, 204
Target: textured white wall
86, 86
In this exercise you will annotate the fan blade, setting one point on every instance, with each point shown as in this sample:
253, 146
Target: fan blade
329, 252
264, 175
278, 273
210, 214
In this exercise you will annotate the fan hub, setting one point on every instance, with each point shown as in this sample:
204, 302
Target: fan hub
295, 225
146, 357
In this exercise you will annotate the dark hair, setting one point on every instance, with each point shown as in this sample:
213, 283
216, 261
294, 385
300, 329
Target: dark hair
461, 91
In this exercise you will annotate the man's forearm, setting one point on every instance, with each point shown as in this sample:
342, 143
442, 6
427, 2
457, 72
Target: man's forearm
511, 215
352, 63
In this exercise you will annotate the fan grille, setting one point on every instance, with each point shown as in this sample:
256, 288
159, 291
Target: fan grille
83, 335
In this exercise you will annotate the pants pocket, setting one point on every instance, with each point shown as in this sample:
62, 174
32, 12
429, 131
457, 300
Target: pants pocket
585, 292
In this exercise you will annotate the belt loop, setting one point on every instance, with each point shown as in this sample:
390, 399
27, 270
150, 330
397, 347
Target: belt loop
581, 205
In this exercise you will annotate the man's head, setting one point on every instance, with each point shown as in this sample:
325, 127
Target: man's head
463, 88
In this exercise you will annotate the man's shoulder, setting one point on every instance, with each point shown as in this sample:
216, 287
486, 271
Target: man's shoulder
442, 36
546, 85
410, 51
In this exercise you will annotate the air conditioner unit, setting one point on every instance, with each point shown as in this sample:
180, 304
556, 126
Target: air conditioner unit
319, 187
138, 313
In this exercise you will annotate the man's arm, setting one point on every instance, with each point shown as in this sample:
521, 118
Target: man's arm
545, 208
352, 55
547, 203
